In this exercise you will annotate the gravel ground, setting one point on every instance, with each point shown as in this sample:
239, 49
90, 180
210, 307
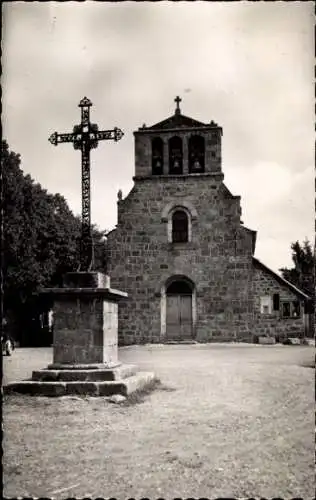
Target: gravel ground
228, 420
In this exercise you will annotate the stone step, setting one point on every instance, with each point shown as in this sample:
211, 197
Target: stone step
88, 375
179, 341
125, 386
266, 340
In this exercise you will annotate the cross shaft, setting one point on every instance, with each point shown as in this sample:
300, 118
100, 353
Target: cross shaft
85, 137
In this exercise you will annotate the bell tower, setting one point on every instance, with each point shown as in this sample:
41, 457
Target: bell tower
178, 146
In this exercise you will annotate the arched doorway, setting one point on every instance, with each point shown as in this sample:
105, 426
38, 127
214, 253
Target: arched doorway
179, 309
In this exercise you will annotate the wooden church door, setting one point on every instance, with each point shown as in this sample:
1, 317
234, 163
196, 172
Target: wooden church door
179, 311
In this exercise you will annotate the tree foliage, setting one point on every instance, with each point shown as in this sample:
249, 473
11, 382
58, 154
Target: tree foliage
302, 274
41, 236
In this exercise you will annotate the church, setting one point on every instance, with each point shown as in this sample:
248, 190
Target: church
182, 253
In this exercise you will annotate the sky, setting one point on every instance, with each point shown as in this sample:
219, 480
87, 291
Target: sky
246, 65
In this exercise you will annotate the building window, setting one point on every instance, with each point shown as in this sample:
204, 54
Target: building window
175, 155
290, 309
296, 309
180, 227
286, 310
188, 215
276, 301
157, 156
265, 305
196, 154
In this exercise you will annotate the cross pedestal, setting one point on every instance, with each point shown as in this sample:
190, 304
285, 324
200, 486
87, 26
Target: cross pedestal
85, 320
85, 348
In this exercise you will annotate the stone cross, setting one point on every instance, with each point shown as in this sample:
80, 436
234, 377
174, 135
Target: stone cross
177, 101
86, 137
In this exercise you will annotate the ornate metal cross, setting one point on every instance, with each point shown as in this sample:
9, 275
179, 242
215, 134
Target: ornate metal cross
86, 137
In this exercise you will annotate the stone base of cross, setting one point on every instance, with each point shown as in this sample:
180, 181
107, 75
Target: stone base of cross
85, 349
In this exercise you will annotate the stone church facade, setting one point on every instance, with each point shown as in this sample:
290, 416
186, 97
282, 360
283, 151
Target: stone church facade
182, 253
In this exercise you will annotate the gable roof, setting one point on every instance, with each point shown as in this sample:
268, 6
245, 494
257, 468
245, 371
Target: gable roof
179, 121
281, 280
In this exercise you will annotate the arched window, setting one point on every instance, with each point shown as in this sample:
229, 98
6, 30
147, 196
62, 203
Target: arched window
157, 156
180, 227
196, 154
175, 155
179, 219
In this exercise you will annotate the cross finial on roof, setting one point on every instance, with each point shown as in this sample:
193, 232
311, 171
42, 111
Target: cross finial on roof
85, 102
177, 101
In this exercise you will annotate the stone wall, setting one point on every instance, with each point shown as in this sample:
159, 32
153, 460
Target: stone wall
218, 260
86, 323
273, 324
78, 329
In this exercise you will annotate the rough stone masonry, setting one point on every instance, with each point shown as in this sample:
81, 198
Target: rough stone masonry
208, 285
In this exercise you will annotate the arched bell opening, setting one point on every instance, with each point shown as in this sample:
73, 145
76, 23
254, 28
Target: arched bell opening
157, 156
196, 154
175, 155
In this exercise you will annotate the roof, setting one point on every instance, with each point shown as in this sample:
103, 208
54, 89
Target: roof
226, 192
179, 121
110, 232
281, 280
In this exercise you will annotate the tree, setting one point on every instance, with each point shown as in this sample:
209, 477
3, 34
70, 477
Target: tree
302, 274
41, 238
